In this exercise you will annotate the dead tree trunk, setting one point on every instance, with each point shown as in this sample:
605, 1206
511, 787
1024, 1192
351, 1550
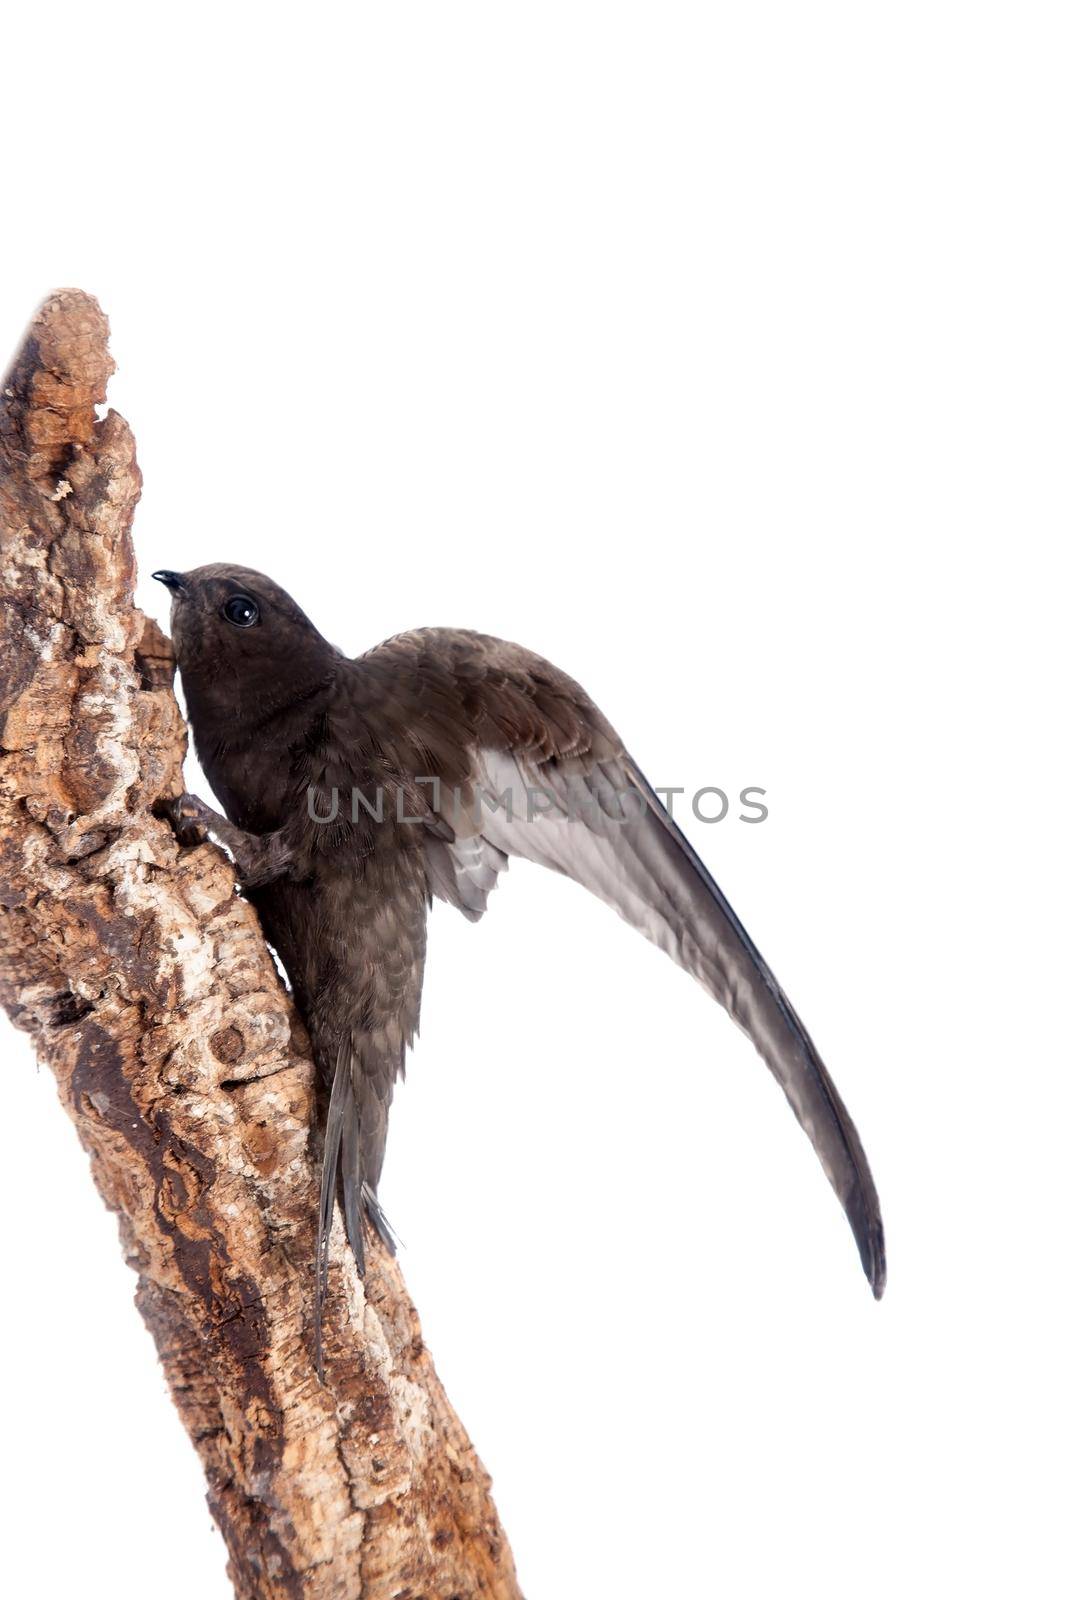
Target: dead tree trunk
149, 991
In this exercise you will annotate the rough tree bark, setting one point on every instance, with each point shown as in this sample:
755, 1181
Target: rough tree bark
149, 990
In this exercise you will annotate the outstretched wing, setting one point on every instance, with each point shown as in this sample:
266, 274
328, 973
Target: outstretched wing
544, 777
609, 832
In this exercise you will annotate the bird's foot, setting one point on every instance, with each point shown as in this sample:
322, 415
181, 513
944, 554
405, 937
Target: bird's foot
258, 858
191, 818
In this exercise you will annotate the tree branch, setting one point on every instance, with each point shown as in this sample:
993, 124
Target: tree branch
150, 992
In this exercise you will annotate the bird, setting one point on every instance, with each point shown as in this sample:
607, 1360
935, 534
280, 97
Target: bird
357, 791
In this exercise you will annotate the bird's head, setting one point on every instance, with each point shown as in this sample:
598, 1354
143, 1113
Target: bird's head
244, 647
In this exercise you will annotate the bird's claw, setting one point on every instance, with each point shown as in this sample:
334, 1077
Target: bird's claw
189, 817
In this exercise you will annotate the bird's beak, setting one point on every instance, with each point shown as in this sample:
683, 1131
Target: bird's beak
174, 581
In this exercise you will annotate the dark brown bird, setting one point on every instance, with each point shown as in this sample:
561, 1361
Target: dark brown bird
358, 790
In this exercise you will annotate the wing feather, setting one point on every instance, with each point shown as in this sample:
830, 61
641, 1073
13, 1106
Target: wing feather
609, 832
488, 718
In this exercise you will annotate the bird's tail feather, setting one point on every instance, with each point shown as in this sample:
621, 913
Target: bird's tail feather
382, 1226
341, 1135
341, 1156
352, 1186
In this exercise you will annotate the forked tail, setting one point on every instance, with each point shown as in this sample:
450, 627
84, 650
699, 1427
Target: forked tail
341, 1154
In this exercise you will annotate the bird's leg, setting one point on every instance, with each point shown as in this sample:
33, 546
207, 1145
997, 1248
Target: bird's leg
259, 858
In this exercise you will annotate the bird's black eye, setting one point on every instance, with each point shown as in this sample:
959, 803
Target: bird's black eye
241, 611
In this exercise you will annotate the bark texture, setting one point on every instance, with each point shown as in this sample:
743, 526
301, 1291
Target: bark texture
149, 991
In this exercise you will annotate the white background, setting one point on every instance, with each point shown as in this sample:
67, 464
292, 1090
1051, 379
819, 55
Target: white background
718, 353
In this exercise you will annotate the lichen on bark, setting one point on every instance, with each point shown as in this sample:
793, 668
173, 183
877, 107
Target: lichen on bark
146, 984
